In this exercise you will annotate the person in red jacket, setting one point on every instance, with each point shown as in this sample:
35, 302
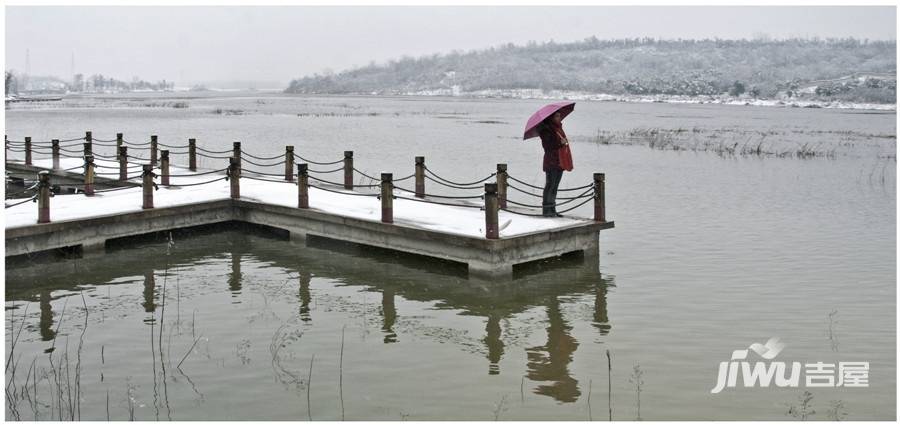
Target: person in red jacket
552, 139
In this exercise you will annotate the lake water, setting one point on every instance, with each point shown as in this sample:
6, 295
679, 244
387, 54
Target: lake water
711, 252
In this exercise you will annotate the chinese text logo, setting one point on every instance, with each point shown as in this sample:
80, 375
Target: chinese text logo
764, 373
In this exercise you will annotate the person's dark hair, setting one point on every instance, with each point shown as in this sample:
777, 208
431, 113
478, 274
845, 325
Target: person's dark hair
545, 124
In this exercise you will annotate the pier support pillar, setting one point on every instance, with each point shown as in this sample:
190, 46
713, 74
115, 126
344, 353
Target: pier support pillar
148, 186
27, 150
123, 163
164, 166
491, 211
234, 174
302, 185
154, 145
501, 185
43, 197
89, 142
89, 175
192, 154
387, 198
591, 251
289, 163
120, 141
348, 170
420, 177
236, 151
55, 150
599, 197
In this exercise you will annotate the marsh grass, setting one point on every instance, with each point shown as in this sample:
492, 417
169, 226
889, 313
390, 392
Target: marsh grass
220, 111
637, 379
734, 142
176, 105
130, 392
280, 340
341, 373
830, 332
63, 379
803, 409
500, 407
337, 114
309, 387
590, 389
609, 370
835, 410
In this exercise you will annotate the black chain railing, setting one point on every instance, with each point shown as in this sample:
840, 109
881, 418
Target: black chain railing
584, 197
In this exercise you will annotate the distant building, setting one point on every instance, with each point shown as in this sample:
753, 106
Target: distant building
77, 83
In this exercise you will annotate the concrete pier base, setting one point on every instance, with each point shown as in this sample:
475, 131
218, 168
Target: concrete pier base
298, 237
93, 248
489, 258
484, 270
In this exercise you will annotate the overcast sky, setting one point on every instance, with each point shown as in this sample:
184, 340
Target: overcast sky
190, 44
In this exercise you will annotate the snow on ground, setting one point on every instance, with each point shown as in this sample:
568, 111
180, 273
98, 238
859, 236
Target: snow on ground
652, 98
440, 218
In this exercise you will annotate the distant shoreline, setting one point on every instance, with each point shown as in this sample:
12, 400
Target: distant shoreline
519, 94
525, 94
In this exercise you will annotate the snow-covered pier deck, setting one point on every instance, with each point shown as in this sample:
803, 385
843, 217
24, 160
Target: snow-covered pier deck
481, 230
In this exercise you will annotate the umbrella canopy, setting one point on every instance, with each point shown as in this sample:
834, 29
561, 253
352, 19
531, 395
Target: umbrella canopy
564, 108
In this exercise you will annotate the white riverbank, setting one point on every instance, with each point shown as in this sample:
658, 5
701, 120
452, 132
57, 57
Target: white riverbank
658, 98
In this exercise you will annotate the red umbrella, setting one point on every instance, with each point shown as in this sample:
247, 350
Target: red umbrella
564, 108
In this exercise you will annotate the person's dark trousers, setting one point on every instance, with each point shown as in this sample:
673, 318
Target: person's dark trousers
554, 175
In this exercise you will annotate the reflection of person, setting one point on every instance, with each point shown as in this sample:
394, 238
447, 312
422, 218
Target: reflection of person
494, 343
552, 139
550, 362
601, 317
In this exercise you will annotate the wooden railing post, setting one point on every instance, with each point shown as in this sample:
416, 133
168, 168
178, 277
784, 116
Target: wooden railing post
387, 198
348, 170
289, 163
6, 146
44, 196
302, 185
234, 174
87, 150
192, 154
89, 175
123, 163
420, 177
237, 151
55, 148
89, 140
491, 211
120, 141
164, 166
148, 186
599, 197
27, 150
153, 147
501, 185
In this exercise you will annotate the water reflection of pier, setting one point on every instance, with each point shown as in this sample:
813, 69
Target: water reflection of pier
540, 286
